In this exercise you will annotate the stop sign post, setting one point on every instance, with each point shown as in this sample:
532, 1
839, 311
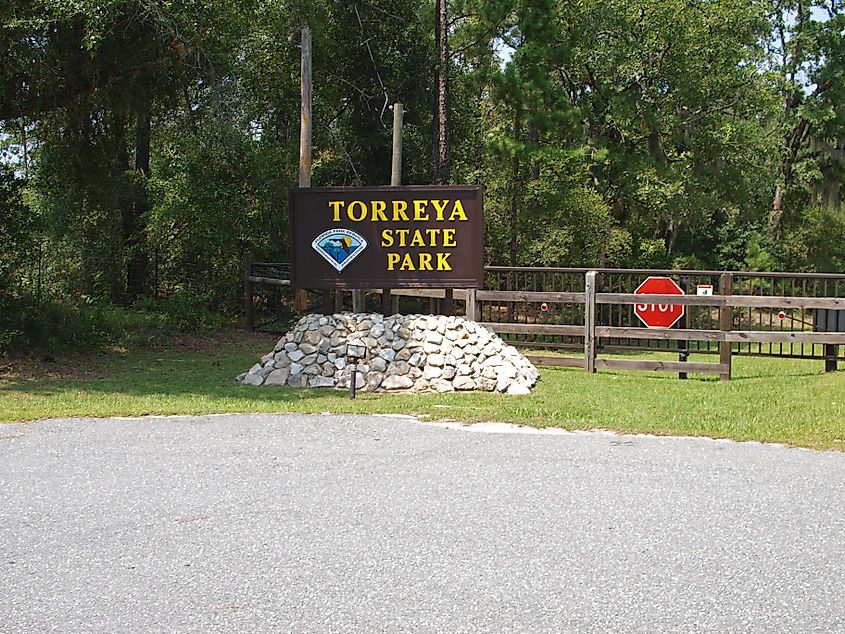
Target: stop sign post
659, 315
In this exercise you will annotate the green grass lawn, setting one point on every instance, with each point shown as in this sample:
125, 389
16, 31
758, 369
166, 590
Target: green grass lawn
770, 400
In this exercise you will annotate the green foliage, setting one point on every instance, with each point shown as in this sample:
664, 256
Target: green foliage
209, 210
53, 327
651, 254
17, 235
816, 244
569, 223
79, 189
757, 257
146, 147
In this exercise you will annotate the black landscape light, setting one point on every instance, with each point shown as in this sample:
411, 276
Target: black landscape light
354, 351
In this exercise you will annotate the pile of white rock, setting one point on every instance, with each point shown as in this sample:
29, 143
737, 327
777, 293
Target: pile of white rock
424, 353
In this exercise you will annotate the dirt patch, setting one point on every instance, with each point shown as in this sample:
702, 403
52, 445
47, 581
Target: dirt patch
217, 340
87, 365
28, 369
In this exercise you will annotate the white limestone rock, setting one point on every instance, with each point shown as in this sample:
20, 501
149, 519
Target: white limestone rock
463, 383
420, 352
321, 381
277, 377
397, 383
253, 379
518, 389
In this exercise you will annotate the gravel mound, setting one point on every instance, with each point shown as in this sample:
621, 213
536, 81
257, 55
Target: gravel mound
424, 353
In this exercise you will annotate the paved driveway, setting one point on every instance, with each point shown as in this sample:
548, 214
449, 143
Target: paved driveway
361, 524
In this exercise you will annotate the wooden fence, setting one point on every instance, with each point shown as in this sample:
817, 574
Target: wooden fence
725, 336
591, 314
758, 284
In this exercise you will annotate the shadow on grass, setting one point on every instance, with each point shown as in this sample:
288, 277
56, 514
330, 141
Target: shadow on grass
211, 376
174, 389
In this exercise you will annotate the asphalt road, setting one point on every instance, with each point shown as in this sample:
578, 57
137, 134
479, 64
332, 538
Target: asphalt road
375, 524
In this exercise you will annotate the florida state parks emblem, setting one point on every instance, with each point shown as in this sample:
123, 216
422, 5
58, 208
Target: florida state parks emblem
339, 247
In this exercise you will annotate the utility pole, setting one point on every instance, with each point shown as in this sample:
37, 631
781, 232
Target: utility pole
396, 163
387, 305
305, 110
441, 155
440, 167
300, 294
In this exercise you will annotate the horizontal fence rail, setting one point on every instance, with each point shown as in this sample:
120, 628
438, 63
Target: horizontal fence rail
754, 336
724, 300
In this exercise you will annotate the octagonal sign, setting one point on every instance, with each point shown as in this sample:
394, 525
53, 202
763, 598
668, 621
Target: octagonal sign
659, 315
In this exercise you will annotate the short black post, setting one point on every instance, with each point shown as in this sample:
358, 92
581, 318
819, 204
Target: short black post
353, 379
354, 351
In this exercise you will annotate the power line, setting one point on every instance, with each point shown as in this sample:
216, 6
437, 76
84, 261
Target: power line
375, 67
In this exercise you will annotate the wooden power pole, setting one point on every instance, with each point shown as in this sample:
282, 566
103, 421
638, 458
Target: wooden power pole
441, 151
305, 110
387, 305
300, 294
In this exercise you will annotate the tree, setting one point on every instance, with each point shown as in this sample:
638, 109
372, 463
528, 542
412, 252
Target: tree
809, 74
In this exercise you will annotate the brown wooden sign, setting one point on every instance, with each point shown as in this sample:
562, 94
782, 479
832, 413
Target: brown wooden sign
387, 237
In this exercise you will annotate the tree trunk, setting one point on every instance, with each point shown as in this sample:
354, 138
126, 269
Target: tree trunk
135, 221
534, 176
79, 136
777, 208
441, 156
794, 142
516, 190
126, 199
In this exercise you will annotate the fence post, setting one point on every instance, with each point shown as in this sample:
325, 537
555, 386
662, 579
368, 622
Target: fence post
300, 300
249, 307
511, 286
357, 300
590, 322
725, 324
830, 354
471, 304
449, 302
328, 301
386, 302
683, 353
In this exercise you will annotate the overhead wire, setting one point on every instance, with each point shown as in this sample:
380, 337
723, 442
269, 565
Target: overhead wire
366, 43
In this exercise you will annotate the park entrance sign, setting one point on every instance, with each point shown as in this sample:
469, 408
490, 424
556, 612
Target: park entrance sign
388, 237
659, 315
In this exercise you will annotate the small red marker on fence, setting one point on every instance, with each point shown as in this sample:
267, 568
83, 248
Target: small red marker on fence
544, 307
782, 315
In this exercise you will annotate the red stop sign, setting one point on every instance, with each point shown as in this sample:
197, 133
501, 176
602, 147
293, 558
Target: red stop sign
659, 315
